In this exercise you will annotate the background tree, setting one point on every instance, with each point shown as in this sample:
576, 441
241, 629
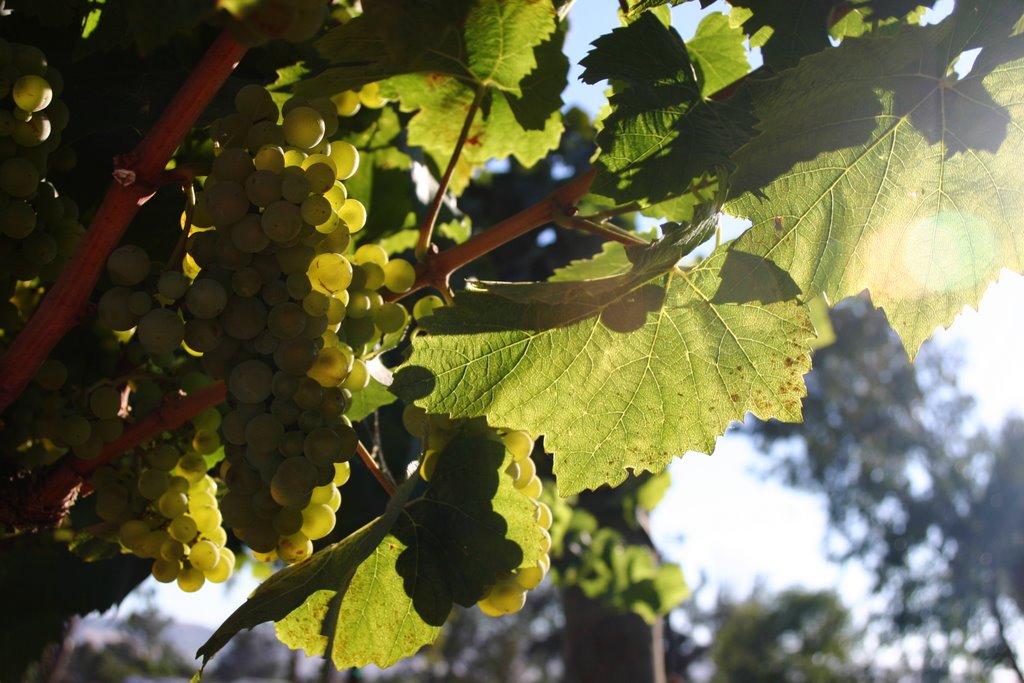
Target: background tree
916, 491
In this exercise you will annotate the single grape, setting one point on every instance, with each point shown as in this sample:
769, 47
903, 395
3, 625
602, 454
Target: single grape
161, 331
32, 93
303, 127
399, 276
426, 306
354, 214
317, 521
249, 381
190, 580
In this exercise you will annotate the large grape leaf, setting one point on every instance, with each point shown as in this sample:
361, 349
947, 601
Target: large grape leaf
660, 134
508, 49
718, 52
621, 372
384, 592
897, 178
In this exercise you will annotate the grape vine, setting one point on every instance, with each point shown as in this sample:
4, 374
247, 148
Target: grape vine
234, 344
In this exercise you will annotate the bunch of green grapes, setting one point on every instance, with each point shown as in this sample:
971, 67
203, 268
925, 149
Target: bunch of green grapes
39, 230
164, 507
286, 312
508, 592
349, 102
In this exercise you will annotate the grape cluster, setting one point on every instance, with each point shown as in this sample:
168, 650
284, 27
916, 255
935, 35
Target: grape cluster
508, 592
285, 311
349, 102
39, 230
165, 508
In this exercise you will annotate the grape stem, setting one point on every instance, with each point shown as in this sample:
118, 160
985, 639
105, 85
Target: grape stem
45, 501
137, 175
437, 271
430, 219
371, 465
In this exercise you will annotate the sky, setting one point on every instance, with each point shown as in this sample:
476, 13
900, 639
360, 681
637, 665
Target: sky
720, 522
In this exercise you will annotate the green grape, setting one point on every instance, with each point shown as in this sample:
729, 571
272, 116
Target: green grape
32, 93
217, 534
163, 457
269, 158
369, 95
183, 528
286, 320
526, 470
191, 467
543, 516
298, 285
201, 499
172, 550
391, 317
294, 548
153, 483
17, 219
263, 188
346, 159
322, 494
415, 420
506, 597
203, 335
231, 130
399, 276
172, 505
281, 221
295, 185
262, 539
18, 177
359, 305
359, 331
206, 442
206, 298
166, 571
237, 509
317, 521
331, 367
207, 519
337, 195
51, 375
330, 272
161, 331
347, 103
249, 381
303, 127
530, 577
227, 201
246, 282
545, 542
342, 472
316, 210
255, 102
132, 533
354, 214
204, 556
232, 164
31, 133
263, 432
180, 484
172, 285
532, 488
293, 483
288, 521
244, 318
358, 378
190, 580
315, 304
321, 175
113, 309
295, 356
426, 306
247, 234
75, 430
223, 569
264, 134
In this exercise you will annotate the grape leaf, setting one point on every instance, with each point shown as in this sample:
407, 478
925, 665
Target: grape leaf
611, 260
718, 52
384, 592
660, 135
508, 48
900, 179
637, 7
365, 402
797, 29
621, 372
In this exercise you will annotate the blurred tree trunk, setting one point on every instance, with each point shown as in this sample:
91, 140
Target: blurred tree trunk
605, 646
601, 644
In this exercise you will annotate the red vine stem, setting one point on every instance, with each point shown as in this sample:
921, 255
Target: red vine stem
371, 465
137, 176
439, 268
48, 500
